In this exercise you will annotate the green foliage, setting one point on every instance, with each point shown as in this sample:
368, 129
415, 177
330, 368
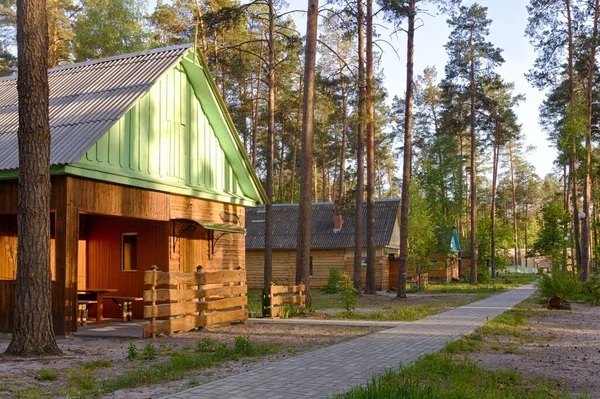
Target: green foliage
47, 375
550, 241
132, 352
333, 281
96, 38
560, 283
205, 345
243, 346
590, 291
421, 230
348, 294
291, 310
149, 352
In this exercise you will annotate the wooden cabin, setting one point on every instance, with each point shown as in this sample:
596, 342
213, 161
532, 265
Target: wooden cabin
332, 242
147, 169
444, 264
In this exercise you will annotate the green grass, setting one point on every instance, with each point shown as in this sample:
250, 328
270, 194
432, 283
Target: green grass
439, 376
97, 364
498, 284
47, 375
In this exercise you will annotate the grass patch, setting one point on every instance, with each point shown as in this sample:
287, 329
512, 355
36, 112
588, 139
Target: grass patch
495, 285
208, 354
97, 364
47, 375
438, 376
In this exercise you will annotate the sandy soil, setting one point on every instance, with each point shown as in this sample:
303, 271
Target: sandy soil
559, 344
17, 374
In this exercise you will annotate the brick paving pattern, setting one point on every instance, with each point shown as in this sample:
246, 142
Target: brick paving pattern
337, 368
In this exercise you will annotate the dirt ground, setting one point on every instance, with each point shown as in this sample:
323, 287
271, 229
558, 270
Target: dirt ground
559, 344
18, 374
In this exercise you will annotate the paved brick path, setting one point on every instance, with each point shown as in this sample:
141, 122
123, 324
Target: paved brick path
337, 368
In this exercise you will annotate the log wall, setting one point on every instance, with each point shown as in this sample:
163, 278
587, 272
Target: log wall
284, 267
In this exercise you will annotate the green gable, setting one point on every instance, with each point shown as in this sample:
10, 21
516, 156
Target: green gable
177, 138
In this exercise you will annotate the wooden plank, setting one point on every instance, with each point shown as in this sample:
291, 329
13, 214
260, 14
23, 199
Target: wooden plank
153, 277
166, 295
227, 303
296, 300
226, 316
173, 309
168, 327
282, 289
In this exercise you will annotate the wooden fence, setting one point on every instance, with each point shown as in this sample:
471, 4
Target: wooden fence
186, 301
280, 296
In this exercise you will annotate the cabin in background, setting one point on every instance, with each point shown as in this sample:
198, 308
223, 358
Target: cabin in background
332, 242
147, 169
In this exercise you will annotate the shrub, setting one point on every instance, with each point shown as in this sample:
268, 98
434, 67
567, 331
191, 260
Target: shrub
132, 352
242, 345
206, 345
348, 294
590, 291
333, 281
149, 351
560, 283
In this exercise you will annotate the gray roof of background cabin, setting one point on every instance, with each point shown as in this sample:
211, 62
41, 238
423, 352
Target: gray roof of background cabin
285, 226
86, 99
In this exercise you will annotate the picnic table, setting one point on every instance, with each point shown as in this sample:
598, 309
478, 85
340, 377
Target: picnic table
88, 297
124, 302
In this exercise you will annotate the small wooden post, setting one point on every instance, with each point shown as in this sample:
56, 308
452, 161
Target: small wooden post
153, 319
271, 307
302, 294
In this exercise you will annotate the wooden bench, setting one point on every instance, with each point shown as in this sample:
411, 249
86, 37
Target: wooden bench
82, 310
124, 302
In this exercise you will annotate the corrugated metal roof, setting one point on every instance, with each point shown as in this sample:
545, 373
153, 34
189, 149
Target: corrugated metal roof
86, 99
285, 226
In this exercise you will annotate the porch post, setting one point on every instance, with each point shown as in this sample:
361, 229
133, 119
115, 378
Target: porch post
67, 238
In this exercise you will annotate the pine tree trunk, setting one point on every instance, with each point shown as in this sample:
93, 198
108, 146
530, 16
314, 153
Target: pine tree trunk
517, 258
305, 208
585, 223
268, 270
255, 105
493, 207
407, 161
33, 333
281, 163
473, 168
360, 157
295, 151
370, 281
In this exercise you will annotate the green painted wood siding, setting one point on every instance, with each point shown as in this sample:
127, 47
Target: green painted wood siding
165, 142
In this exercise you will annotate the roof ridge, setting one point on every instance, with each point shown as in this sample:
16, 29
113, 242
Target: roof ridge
108, 59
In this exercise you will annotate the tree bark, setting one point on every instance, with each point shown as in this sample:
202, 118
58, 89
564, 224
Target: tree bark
496, 157
294, 154
305, 208
407, 161
268, 270
33, 333
370, 281
517, 257
585, 223
473, 166
360, 157
255, 105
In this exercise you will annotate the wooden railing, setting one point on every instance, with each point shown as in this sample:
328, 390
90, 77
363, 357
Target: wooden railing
186, 301
279, 296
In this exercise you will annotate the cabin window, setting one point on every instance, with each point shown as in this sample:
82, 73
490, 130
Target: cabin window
310, 267
129, 252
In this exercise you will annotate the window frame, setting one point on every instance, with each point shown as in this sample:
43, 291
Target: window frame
123, 235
